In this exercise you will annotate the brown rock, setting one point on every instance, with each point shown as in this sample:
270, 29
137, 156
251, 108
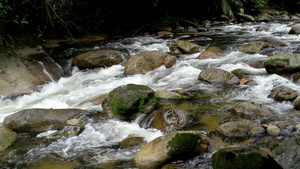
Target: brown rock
212, 52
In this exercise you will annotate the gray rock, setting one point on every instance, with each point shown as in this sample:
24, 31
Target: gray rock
245, 17
218, 75
7, 137
283, 64
38, 120
273, 130
148, 61
295, 29
287, 153
187, 47
99, 58
286, 94
233, 129
251, 110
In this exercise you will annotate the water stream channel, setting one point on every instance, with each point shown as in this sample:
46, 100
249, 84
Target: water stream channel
98, 145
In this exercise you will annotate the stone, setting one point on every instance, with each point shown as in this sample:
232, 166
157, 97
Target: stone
218, 75
39, 120
251, 110
7, 137
164, 94
212, 52
295, 29
172, 120
241, 158
148, 61
245, 17
258, 131
297, 104
130, 142
255, 47
283, 64
286, 94
172, 146
272, 41
273, 130
261, 28
174, 50
130, 99
187, 47
287, 153
233, 129
98, 58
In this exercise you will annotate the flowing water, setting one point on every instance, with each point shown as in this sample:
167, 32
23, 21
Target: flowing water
98, 143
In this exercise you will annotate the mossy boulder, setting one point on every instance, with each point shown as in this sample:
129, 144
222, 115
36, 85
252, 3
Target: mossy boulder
212, 52
99, 58
39, 120
130, 99
7, 137
218, 75
172, 146
148, 61
251, 110
287, 153
242, 158
172, 120
283, 64
187, 47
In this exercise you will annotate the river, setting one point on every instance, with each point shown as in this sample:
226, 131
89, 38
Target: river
98, 143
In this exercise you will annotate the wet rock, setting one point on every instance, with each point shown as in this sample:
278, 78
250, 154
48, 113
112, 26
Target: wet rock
172, 146
233, 129
264, 18
7, 137
255, 47
283, 64
242, 157
296, 77
212, 52
47, 163
286, 94
162, 33
130, 99
273, 41
39, 120
261, 28
295, 29
287, 153
132, 142
258, 131
164, 94
297, 104
245, 17
273, 130
148, 61
218, 75
99, 58
251, 110
174, 50
187, 47
172, 120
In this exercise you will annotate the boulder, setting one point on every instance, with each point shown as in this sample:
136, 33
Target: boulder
218, 75
127, 100
212, 52
233, 129
172, 120
245, 17
7, 137
164, 94
148, 61
99, 58
39, 120
286, 94
287, 153
131, 142
241, 158
295, 29
251, 110
174, 50
187, 47
272, 41
255, 47
283, 64
297, 104
173, 146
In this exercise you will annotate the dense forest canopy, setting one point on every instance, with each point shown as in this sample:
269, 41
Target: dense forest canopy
69, 17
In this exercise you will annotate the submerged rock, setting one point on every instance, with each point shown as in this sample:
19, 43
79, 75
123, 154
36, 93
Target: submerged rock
233, 129
164, 94
172, 146
38, 120
251, 110
218, 75
295, 29
148, 61
99, 58
212, 52
283, 64
241, 158
172, 120
187, 47
130, 99
7, 137
287, 153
